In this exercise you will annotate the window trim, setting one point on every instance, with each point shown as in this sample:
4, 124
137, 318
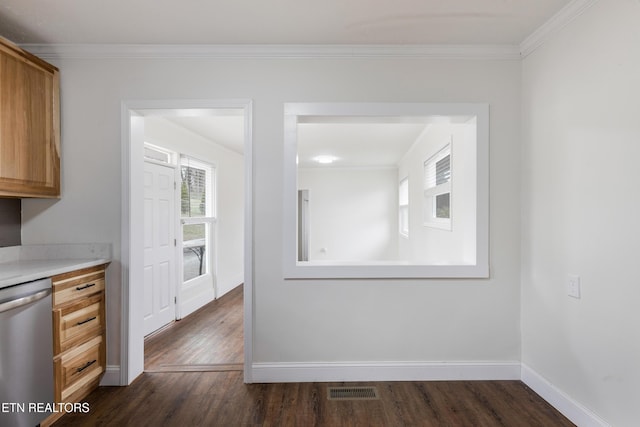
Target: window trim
171, 156
292, 269
208, 220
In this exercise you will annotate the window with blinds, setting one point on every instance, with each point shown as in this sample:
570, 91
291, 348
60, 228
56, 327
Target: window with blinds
197, 207
437, 189
193, 195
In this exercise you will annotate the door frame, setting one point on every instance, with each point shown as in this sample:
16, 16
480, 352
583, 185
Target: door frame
132, 161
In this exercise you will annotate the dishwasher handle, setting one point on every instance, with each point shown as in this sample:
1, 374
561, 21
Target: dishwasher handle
19, 302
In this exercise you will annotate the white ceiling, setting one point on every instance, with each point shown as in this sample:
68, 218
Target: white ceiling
274, 22
285, 22
224, 130
356, 144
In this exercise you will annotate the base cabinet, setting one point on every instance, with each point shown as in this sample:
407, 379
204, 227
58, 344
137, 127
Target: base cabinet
79, 338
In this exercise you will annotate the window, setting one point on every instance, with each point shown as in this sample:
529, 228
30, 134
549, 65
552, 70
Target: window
460, 252
403, 207
437, 189
159, 154
197, 216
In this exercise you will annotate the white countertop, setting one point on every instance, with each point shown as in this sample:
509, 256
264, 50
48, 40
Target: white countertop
19, 264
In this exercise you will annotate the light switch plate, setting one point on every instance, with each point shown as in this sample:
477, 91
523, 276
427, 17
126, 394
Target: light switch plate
573, 286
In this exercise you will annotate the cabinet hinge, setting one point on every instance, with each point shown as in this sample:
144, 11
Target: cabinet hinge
175, 242
175, 300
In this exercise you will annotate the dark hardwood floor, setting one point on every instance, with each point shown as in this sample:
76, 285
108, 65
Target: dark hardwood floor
221, 399
209, 339
186, 384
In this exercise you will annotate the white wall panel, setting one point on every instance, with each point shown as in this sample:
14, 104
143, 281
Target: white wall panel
581, 97
296, 321
353, 213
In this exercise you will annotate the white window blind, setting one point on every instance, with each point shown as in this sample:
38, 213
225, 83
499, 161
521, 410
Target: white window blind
197, 205
196, 191
437, 193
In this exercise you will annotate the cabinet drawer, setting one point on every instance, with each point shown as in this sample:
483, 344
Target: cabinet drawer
79, 322
70, 287
79, 368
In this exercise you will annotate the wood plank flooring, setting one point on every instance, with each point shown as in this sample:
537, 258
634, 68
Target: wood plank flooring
221, 399
210, 339
193, 378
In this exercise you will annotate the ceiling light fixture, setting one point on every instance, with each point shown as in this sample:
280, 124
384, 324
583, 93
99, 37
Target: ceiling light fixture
325, 159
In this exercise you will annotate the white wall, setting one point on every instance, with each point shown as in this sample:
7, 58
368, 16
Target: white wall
581, 204
353, 213
428, 245
229, 194
294, 320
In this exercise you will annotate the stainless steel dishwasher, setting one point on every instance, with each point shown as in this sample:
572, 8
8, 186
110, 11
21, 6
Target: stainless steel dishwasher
26, 353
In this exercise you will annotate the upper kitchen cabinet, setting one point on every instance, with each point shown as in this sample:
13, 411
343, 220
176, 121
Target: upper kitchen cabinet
29, 124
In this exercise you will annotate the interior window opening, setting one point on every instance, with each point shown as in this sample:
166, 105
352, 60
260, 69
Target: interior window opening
362, 217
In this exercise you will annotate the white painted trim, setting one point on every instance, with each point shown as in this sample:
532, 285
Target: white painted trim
125, 260
248, 242
290, 51
112, 376
292, 269
553, 25
132, 336
131, 332
570, 408
384, 371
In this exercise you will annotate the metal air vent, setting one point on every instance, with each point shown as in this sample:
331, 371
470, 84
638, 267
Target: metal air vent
352, 393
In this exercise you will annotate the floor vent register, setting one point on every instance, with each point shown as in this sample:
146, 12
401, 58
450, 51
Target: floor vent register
352, 393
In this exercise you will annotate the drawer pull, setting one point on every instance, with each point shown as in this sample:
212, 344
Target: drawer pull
86, 366
79, 288
87, 321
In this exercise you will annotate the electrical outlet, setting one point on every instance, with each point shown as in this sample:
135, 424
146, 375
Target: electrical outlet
573, 286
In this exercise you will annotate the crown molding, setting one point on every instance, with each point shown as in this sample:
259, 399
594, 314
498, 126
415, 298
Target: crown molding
503, 52
149, 51
553, 25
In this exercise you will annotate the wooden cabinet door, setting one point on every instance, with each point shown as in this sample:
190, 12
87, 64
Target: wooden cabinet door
29, 125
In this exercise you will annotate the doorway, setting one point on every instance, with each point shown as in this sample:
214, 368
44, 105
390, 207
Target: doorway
134, 114
208, 340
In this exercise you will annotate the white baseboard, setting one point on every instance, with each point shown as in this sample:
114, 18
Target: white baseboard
189, 306
111, 376
229, 285
578, 414
383, 371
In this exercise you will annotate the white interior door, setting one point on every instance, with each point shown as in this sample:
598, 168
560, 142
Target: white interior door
159, 246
